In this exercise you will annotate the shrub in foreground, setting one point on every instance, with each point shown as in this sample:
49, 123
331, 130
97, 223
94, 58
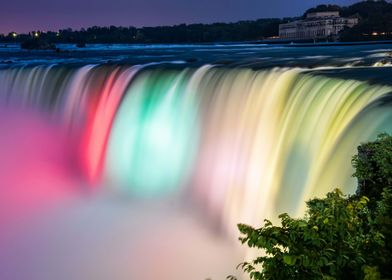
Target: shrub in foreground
340, 237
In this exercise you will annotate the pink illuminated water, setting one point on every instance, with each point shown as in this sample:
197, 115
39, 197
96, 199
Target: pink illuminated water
119, 172
54, 227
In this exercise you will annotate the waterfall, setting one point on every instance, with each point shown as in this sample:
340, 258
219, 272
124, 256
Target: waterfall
242, 144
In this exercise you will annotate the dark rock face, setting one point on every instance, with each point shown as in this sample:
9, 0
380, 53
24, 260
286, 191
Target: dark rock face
191, 59
37, 44
81, 45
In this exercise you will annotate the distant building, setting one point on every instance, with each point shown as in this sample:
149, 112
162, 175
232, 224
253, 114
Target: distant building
319, 25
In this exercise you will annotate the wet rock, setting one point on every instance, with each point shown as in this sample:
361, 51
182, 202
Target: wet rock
383, 62
81, 45
37, 44
192, 59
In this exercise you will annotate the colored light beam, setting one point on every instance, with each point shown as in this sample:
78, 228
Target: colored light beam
151, 147
100, 121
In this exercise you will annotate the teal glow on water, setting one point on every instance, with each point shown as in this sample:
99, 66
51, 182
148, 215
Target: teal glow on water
154, 135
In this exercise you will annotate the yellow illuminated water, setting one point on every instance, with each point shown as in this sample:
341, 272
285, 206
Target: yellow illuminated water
239, 145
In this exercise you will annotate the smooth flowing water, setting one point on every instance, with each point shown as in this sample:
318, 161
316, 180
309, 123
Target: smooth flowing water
116, 168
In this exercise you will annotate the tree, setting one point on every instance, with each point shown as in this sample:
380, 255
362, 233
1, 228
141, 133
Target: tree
383, 221
375, 21
331, 242
373, 170
340, 237
373, 167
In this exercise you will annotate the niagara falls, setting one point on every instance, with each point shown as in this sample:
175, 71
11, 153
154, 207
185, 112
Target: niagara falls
196, 151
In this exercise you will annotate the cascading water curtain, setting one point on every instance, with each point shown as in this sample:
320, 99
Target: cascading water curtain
243, 144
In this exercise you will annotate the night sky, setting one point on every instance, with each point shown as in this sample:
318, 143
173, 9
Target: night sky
27, 15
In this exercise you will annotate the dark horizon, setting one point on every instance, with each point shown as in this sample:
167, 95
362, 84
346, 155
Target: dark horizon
23, 16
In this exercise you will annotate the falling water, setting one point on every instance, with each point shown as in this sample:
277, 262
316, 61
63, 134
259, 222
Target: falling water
242, 145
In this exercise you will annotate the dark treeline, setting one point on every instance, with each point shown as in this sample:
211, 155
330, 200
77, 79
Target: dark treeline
375, 23
183, 33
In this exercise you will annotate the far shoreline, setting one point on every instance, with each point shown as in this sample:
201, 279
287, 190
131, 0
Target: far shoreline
275, 42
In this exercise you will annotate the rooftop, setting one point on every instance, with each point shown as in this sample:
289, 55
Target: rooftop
322, 15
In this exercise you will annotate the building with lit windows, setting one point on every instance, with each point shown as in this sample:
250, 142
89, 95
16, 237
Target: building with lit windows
319, 25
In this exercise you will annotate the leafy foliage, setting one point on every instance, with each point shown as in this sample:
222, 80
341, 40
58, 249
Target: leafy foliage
375, 21
331, 242
383, 222
373, 167
340, 237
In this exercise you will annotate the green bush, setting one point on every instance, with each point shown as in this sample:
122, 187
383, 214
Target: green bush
373, 167
340, 237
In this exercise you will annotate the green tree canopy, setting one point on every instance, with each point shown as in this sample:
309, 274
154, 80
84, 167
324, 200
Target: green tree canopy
373, 167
